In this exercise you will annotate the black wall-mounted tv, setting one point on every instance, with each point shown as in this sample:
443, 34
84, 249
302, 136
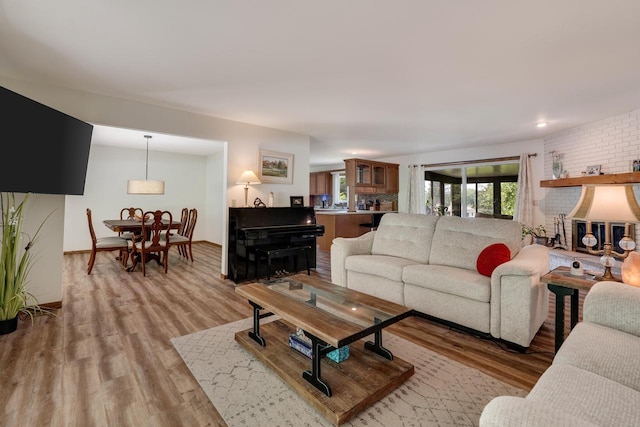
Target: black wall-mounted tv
43, 150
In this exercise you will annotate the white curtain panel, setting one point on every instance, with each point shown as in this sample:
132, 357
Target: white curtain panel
416, 199
523, 211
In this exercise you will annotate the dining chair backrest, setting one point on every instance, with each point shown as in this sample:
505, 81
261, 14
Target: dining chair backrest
159, 222
131, 213
91, 230
191, 224
184, 217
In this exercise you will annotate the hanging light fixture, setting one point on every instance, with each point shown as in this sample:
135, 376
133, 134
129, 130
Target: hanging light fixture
146, 186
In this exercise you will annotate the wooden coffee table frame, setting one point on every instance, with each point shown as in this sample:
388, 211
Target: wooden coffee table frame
326, 331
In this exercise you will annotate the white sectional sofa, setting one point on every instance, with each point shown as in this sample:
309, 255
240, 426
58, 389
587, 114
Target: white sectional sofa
595, 377
428, 263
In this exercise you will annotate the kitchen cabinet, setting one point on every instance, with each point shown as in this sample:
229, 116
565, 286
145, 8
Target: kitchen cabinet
320, 183
369, 177
392, 184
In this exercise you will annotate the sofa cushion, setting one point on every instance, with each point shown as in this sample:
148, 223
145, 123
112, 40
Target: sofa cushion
588, 396
449, 280
457, 242
388, 267
405, 236
380, 287
491, 257
604, 351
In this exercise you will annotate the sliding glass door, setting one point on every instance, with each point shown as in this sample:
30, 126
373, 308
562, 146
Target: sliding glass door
472, 190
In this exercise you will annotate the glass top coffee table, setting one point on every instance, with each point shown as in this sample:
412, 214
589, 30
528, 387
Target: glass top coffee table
331, 316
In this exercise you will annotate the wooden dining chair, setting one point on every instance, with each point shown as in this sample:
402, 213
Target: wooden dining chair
133, 214
183, 239
157, 239
184, 216
105, 244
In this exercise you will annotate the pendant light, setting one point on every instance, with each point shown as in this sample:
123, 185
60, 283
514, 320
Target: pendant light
138, 186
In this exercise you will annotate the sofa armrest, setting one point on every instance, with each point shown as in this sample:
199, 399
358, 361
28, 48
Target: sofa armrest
519, 302
517, 411
341, 248
530, 260
615, 305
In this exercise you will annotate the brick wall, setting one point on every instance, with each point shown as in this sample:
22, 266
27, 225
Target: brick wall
612, 143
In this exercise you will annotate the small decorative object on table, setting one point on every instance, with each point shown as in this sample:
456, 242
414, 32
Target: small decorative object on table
631, 269
635, 165
299, 342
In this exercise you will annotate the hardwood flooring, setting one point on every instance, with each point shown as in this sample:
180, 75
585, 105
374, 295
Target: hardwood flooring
105, 358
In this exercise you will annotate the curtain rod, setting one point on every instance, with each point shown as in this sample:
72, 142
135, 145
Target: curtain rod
470, 162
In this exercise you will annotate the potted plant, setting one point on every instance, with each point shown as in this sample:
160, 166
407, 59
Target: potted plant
15, 262
539, 234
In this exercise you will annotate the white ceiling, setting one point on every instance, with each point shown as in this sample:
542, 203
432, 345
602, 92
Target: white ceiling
375, 77
130, 138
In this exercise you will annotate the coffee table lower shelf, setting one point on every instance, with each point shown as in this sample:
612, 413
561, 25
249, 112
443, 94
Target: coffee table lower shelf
361, 380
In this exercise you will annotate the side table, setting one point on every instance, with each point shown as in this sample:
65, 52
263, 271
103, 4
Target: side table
562, 283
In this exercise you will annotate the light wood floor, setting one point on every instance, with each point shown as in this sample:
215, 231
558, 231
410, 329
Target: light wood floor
106, 359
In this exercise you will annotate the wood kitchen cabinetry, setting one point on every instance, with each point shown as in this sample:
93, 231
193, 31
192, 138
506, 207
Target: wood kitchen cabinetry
393, 180
369, 177
341, 225
320, 183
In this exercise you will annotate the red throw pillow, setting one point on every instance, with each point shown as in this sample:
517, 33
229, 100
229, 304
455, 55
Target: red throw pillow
491, 257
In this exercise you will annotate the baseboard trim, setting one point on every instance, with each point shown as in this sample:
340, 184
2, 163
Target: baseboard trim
55, 305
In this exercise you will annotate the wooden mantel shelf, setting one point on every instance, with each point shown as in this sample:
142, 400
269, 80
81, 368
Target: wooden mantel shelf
613, 178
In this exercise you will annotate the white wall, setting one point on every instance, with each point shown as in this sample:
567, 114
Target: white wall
46, 275
105, 193
215, 199
477, 153
243, 141
613, 143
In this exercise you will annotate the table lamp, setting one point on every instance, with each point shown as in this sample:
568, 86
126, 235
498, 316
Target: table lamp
608, 203
247, 177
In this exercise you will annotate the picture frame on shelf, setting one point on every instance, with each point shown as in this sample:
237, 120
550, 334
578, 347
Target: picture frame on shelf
275, 167
296, 201
635, 165
593, 170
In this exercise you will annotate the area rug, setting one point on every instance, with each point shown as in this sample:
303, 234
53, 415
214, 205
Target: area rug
442, 392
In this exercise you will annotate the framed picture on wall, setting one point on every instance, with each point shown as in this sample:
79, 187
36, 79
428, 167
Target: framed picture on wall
593, 170
276, 168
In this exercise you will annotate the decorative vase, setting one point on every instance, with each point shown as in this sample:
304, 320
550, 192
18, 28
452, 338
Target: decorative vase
557, 167
540, 241
8, 326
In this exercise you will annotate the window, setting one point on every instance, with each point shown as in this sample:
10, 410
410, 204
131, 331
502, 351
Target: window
489, 189
339, 191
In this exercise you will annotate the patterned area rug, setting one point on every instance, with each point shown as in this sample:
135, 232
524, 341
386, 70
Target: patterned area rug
442, 392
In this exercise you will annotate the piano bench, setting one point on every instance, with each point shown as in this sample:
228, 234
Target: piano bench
272, 252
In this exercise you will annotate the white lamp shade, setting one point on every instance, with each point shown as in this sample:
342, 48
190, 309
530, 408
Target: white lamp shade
613, 203
140, 186
248, 177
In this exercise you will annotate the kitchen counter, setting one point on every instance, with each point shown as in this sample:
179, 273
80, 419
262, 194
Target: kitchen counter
341, 223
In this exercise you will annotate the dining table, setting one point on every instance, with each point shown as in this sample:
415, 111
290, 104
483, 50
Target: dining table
135, 226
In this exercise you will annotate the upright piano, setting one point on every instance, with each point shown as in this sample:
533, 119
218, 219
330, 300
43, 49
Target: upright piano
251, 228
